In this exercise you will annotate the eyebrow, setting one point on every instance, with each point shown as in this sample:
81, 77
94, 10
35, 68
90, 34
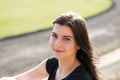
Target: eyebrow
63, 35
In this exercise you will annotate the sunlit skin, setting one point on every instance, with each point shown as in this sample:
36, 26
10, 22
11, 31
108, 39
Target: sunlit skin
62, 42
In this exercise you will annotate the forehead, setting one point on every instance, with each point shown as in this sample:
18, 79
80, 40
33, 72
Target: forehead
62, 30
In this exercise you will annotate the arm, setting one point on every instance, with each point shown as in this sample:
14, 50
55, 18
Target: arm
37, 73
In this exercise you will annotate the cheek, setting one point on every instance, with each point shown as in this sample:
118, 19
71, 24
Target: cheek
72, 47
51, 43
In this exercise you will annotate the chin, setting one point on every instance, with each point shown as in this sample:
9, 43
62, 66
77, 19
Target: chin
58, 57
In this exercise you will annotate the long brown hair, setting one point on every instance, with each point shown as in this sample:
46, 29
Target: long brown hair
79, 29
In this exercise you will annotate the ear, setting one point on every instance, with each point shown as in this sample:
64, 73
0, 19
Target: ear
78, 47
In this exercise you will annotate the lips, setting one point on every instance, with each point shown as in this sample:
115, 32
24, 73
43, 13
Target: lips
58, 51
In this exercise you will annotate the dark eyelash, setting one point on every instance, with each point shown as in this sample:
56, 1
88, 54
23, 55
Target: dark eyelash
67, 38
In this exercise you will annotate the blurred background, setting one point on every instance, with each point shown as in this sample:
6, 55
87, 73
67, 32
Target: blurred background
25, 26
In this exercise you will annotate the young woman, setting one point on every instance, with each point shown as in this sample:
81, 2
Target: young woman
73, 56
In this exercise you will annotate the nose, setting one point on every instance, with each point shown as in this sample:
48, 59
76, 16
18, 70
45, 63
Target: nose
58, 44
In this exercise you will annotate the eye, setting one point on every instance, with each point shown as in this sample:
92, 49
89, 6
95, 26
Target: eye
66, 39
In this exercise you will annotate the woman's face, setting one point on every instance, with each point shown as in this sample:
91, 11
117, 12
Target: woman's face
62, 42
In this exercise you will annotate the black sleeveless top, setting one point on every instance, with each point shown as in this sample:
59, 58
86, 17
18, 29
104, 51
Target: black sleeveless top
79, 73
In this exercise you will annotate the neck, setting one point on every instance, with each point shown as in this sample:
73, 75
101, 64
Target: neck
66, 66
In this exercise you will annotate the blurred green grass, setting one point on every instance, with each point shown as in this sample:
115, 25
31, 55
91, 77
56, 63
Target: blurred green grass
24, 16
